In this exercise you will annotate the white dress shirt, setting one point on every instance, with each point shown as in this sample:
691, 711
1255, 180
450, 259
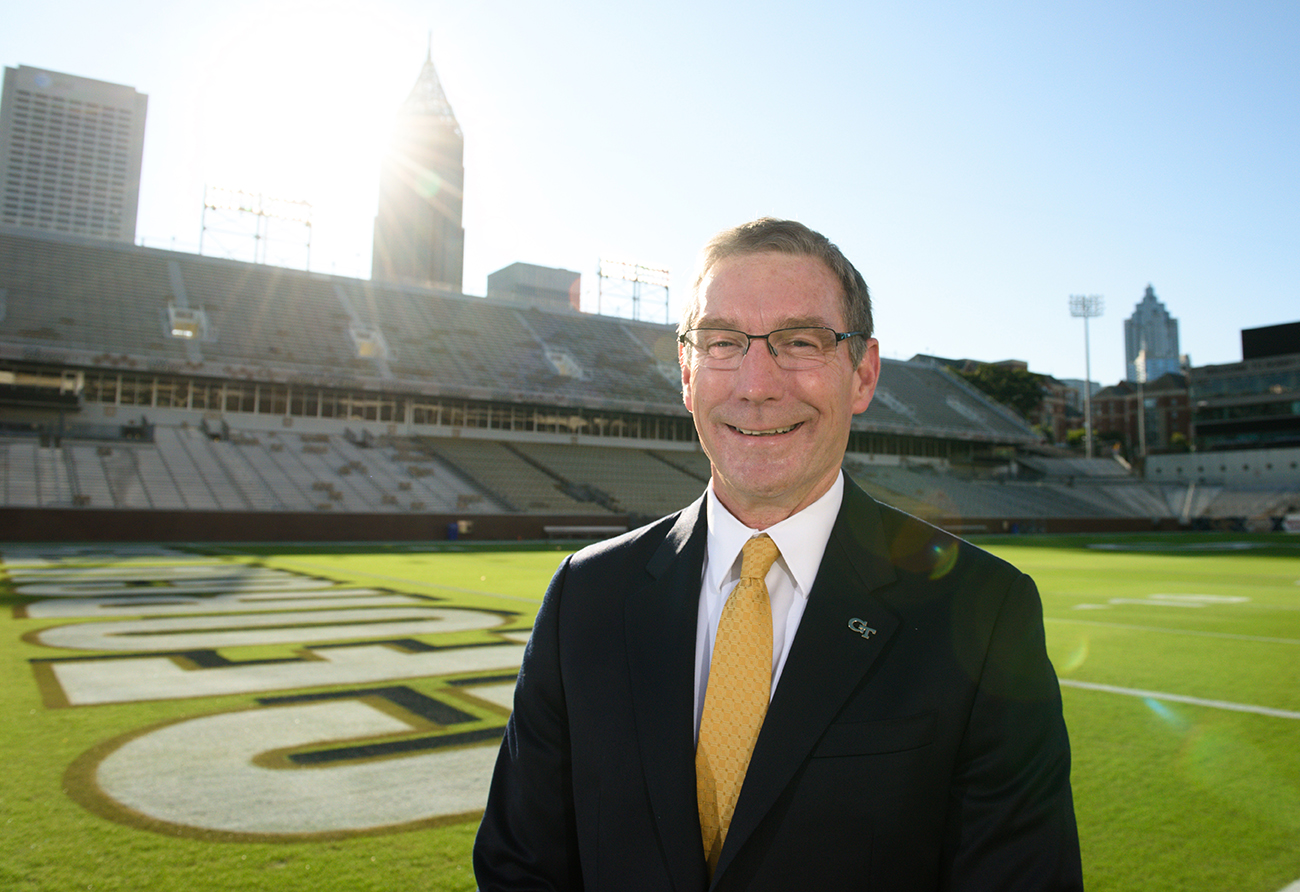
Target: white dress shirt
802, 540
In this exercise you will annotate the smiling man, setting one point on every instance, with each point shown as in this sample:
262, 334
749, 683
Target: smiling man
775, 422
786, 684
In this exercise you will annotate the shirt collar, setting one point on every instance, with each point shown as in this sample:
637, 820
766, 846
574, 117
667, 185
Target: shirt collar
802, 537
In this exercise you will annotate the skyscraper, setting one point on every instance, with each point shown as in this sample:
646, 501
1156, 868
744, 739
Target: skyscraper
70, 154
1153, 332
418, 234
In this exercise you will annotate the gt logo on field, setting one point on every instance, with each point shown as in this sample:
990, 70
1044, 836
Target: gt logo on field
391, 729
260, 772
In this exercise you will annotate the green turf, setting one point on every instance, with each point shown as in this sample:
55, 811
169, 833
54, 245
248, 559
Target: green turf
1170, 795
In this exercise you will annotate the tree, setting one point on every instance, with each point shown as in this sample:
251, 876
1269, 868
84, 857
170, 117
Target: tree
1016, 388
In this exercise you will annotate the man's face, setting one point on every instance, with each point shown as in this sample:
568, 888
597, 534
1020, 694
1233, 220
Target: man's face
775, 438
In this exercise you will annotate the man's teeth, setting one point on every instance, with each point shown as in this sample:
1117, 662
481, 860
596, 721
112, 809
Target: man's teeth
767, 433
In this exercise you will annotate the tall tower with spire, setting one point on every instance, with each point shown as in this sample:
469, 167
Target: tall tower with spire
1151, 335
419, 238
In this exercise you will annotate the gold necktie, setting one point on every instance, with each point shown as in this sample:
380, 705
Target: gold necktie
735, 700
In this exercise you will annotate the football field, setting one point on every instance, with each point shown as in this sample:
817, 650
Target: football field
304, 717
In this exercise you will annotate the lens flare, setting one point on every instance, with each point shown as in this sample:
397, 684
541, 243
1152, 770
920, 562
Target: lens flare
944, 559
1166, 714
1077, 657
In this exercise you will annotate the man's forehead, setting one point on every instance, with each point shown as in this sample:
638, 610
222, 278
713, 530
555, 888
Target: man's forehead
807, 265
792, 289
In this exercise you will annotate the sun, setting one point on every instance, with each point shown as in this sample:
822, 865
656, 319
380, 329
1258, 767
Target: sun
298, 102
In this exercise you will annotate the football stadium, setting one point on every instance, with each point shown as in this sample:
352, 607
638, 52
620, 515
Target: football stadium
273, 541
161, 395
270, 575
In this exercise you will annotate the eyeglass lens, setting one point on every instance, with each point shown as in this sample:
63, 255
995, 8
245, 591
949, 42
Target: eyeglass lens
793, 348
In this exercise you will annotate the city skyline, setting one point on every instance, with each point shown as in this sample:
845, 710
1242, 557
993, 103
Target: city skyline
978, 166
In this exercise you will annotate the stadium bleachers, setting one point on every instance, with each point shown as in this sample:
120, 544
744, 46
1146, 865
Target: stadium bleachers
91, 480
269, 323
86, 297
258, 311
1070, 468
185, 469
505, 474
1253, 503
245, 474
188, 459
914, 396
634, 481
71, 307
933, 493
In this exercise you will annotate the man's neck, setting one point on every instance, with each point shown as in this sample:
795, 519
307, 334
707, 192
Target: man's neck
759, 514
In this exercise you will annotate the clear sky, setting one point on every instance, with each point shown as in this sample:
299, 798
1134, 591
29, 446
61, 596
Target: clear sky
979, 162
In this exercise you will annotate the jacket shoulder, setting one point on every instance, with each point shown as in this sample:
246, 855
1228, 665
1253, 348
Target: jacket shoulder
641, 546
916, 546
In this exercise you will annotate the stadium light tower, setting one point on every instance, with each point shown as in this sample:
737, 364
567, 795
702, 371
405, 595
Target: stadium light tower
613, 277
1087, 306
235, 207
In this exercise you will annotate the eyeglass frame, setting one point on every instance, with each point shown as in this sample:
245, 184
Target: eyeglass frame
840, 336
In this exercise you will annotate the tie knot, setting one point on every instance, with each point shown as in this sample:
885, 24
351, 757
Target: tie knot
757, 557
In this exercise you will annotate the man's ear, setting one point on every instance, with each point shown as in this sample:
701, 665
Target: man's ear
684, 361
866, 376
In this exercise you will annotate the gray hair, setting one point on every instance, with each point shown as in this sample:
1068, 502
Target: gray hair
768, 234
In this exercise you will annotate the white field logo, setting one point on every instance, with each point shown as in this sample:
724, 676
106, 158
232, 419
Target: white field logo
362, 722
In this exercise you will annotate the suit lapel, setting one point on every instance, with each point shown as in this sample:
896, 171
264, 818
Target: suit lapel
660, 633
827, 660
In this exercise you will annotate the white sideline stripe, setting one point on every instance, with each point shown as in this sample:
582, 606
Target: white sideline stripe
331, 572
1264, 639
1294, 887
1194, 701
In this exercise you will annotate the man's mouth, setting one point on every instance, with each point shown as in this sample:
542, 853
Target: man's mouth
771, 432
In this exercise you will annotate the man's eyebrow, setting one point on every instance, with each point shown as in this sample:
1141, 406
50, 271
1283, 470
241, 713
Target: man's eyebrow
716, 322
788, 322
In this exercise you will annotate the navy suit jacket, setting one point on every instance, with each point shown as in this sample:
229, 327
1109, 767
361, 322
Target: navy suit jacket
915, 741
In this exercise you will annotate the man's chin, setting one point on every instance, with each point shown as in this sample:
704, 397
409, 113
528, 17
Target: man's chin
760, 483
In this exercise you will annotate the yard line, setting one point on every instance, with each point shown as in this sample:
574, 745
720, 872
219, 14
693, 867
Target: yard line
1182, 698
332, 572
1093, 622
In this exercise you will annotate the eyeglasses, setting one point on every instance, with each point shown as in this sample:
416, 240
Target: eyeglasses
794, 349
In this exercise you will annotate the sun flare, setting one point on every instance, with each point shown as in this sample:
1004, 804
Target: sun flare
298, 103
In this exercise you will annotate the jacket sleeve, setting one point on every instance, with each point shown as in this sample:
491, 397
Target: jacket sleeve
1011, 822
528, 837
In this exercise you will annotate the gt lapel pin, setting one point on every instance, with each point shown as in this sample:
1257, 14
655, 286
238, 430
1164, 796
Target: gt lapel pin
861, 627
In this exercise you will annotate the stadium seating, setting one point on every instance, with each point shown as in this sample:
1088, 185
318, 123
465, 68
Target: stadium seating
83, 307
627, 481
186, 469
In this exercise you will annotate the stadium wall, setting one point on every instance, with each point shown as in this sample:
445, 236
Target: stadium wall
127, 525
1246, 468
1057, 525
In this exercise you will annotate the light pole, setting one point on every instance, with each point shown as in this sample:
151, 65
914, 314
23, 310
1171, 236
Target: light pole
1087, 306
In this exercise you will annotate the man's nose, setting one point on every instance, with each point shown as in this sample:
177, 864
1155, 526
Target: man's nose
759, 377
767, 344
